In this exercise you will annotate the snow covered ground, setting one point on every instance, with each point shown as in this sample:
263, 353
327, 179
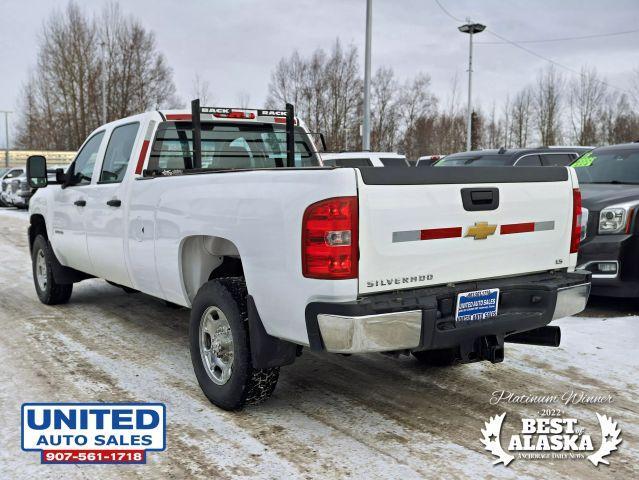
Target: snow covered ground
368, 416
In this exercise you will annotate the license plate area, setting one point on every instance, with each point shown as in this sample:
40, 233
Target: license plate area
477, 305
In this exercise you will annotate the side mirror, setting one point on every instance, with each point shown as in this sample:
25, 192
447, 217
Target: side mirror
37, 171
60, 176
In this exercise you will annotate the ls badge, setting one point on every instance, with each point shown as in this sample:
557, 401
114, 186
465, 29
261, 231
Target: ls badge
481, 230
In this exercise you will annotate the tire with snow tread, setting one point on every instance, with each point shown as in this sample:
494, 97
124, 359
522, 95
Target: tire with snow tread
246, 385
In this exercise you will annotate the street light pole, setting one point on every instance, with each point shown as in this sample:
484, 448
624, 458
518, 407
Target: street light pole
6, 136
470, 29
366, 127
104, 83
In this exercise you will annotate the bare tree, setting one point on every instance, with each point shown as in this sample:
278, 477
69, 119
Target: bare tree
342, 93
325, 89
243, 99
619, 122
493, 132
507, 133
64, 93
521, 117
200, 89
385, 116
586, 97
634, 85
547, 98
415, 102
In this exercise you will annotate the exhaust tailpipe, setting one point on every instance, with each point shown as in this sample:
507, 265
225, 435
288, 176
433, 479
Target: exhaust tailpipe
544, 336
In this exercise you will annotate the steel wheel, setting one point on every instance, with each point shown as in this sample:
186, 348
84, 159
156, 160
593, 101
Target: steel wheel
41, 270
216, 345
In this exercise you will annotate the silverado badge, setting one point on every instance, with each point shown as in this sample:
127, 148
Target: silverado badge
481, 230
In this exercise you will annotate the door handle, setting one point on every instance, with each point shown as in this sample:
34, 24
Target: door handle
480, 199
80, 203
114, 203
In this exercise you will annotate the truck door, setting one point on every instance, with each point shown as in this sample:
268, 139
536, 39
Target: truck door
106, 207
68, 236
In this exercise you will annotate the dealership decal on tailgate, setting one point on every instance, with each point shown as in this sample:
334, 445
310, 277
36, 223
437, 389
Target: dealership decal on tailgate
477, 305
93, 432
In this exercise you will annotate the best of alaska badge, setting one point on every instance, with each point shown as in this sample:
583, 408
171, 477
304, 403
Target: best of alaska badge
550, 438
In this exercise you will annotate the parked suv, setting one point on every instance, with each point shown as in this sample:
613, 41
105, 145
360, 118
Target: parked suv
5, 185
609, 182
519, 157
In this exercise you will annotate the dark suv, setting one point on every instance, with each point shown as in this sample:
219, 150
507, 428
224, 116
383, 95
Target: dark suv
518, 157
609, 184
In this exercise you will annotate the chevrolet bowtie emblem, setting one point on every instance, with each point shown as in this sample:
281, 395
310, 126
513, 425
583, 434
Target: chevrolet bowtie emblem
481, 230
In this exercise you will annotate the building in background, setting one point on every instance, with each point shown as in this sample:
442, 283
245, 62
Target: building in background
18, 158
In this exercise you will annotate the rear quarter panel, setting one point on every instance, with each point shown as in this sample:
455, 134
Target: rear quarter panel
260, 212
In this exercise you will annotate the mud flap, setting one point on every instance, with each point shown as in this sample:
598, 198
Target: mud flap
266, 350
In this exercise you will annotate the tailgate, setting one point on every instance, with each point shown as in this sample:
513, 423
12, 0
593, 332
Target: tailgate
416, 229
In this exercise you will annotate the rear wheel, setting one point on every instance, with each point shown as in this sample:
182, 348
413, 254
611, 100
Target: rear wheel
220, 350
439, 358
49, 291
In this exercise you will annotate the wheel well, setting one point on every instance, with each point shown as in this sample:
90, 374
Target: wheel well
206, 257
38, 227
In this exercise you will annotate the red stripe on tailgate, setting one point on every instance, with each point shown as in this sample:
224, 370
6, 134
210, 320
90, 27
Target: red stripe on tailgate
517, 228
145, 148
437, 233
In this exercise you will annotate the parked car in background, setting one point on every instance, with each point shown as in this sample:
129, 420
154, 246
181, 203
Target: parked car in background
609, 182
19, 190
364, 159
519, 157
5, 184
428, 160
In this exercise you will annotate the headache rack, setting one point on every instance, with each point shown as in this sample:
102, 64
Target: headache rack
197, 110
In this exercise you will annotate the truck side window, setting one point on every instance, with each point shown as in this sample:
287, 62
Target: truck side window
13, 173
118, 153
528, 161
394, 162
349, 162
557, 159
82, 168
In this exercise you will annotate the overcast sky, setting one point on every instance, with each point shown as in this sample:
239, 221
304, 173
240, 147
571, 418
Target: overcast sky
235, 44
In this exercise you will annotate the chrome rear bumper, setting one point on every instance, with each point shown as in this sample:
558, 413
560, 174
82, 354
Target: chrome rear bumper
571, 300
371, 333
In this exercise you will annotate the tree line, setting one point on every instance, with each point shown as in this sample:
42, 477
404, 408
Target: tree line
61, 101
407, 116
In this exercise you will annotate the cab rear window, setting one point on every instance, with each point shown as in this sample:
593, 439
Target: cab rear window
228, 146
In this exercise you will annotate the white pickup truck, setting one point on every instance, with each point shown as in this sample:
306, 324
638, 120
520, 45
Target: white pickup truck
230, 213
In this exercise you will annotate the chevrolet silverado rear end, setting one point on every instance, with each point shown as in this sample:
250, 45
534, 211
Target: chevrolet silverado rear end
451, 263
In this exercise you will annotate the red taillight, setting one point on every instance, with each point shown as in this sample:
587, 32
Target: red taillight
236, 114
576, 220
329, 239
179, 116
